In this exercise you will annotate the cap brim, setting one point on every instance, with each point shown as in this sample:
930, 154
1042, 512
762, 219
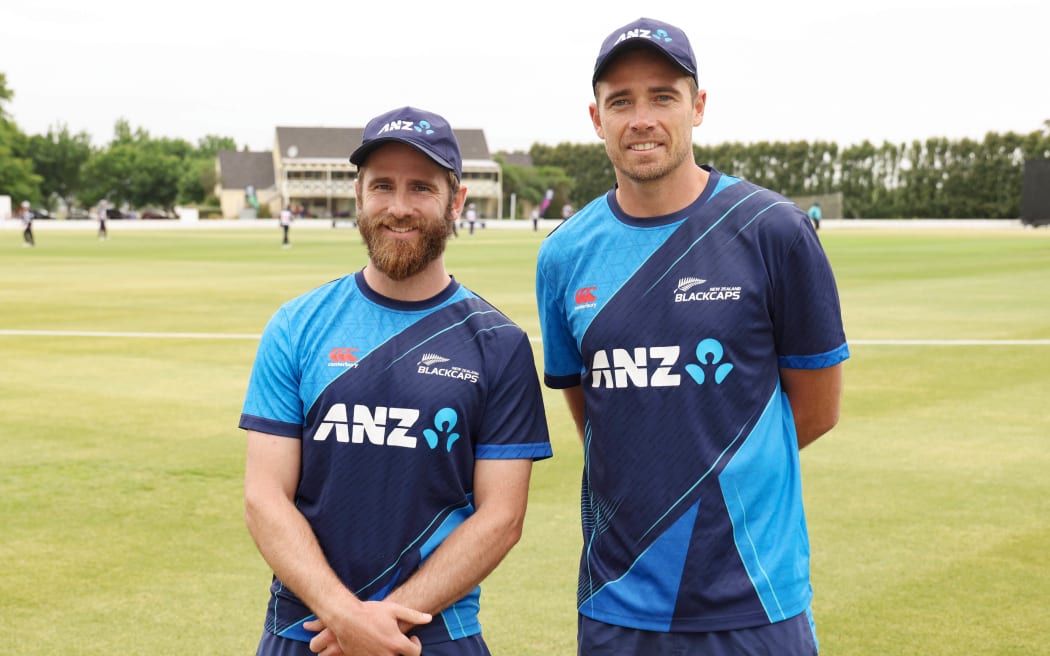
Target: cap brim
361, 154
633, 44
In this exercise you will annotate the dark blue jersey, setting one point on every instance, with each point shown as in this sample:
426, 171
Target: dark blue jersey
393, 403
676, 327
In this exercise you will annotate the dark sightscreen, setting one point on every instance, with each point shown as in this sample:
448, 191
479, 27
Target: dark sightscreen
1035, 192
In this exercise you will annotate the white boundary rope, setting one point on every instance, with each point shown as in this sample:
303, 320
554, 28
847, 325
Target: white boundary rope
857, 342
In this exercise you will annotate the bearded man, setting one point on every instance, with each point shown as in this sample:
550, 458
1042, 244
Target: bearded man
393, 417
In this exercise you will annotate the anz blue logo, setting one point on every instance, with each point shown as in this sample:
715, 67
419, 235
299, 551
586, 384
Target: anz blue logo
422, 126
444, 421
383, 426
657, 366
645, 33
709, 354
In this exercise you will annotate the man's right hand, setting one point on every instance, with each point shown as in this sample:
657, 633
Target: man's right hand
374, 628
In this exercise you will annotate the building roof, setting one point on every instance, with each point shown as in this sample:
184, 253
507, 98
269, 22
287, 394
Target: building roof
472, 144
338, 143
238, 169
317, 143
517, 158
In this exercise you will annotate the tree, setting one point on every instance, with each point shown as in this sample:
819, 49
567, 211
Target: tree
108, 175
198, 177
143, 171
155, 180
197, 180
17, 178
585, 165
530, 184
209, 146
59, 157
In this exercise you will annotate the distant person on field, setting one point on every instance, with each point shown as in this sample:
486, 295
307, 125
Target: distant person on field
286, 223
26, 215
815, 215
103, 234
535, 219
472, 217
393, 418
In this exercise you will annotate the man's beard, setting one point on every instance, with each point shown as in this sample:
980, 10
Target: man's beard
652, 170
402, 258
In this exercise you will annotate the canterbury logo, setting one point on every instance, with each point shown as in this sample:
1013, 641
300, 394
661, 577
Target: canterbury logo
585, 295
685, 284
430, 359
341, 354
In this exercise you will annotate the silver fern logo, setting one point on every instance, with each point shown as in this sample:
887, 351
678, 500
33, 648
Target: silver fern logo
685, 284
687, 291
430, 359
432, 364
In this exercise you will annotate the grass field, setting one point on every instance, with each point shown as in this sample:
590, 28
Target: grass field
124, 365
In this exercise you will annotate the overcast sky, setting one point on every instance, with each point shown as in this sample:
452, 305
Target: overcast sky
841, 71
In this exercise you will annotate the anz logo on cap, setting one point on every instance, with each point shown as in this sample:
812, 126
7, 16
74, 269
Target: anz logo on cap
422, 127
642, 33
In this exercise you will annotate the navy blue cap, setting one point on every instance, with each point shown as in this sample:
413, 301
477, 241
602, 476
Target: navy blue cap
425, 131
667, 39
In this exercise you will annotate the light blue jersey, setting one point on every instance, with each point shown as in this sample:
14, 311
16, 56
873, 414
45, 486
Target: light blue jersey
393, 402
676, 328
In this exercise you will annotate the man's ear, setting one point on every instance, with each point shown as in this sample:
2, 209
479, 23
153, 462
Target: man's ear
596, 120
459, 200
699, 107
